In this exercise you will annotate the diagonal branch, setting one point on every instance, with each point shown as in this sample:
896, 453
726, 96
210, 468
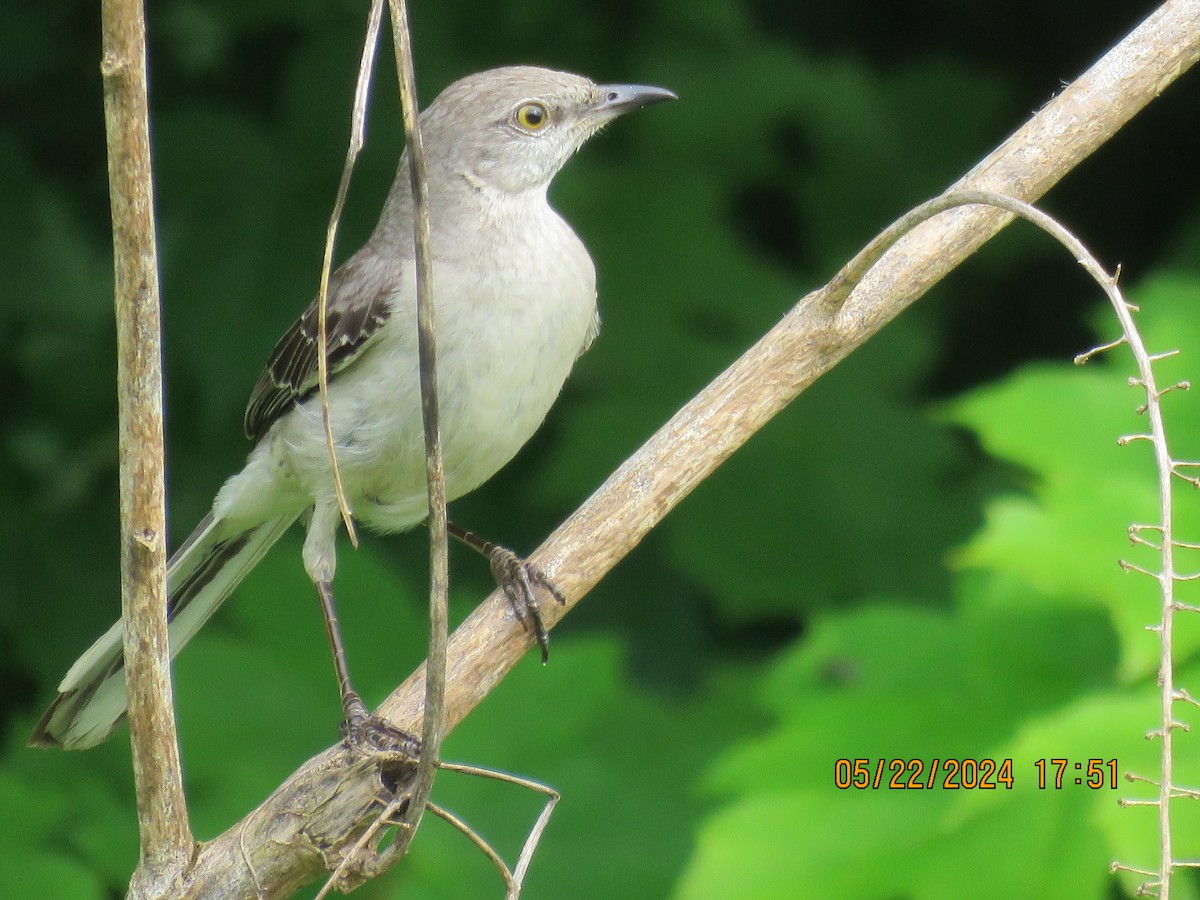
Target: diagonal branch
820, 331
303, 826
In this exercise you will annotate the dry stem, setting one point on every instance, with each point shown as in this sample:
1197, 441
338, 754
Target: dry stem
358, 127
439, 561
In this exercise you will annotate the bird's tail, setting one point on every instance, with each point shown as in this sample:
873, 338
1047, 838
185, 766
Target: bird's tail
92, 698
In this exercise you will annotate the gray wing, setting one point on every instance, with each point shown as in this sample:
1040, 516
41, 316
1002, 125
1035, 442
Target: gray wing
357, 305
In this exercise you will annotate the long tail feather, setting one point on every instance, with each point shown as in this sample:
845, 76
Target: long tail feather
92, 698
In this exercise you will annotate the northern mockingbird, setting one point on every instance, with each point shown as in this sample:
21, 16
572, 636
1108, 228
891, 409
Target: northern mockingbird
515, 305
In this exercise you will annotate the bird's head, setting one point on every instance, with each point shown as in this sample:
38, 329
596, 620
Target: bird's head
513, 128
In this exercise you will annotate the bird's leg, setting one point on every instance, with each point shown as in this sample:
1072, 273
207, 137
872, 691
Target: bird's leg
352, 705
517, 578
361, 730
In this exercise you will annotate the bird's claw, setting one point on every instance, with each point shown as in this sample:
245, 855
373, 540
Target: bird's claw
372, 736
518, 579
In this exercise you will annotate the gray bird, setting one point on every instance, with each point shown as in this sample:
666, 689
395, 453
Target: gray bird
515, 304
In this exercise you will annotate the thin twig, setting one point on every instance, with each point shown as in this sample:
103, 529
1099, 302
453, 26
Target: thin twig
1167, 575
511, 890
517, 876
362, 92
355, 852
439, 553
433, 721
166, 838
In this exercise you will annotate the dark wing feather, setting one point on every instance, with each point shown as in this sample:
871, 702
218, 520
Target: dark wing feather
357, 306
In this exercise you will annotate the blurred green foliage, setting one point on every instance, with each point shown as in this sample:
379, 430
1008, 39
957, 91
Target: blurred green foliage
916, 560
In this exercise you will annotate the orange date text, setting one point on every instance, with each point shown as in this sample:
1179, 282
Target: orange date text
923, 774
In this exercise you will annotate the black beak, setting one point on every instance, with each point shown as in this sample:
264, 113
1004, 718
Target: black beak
616, 99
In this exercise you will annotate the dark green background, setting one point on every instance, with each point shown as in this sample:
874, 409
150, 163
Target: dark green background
915, 560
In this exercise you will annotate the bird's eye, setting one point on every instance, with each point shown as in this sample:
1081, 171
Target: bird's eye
532, 116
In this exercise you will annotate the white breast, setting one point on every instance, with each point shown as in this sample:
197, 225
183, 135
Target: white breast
511, 320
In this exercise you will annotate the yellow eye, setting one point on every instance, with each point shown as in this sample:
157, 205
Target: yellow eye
532, 116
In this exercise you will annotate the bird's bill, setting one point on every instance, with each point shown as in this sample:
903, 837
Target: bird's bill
621, 98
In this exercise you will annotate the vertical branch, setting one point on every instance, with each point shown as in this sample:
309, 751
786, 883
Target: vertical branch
1166, 577
433, 722
166, 840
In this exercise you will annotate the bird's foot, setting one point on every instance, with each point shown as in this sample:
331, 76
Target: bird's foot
519, 580
372, 736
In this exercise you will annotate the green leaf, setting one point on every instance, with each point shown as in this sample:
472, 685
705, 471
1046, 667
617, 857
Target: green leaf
889, 684
1066, 534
